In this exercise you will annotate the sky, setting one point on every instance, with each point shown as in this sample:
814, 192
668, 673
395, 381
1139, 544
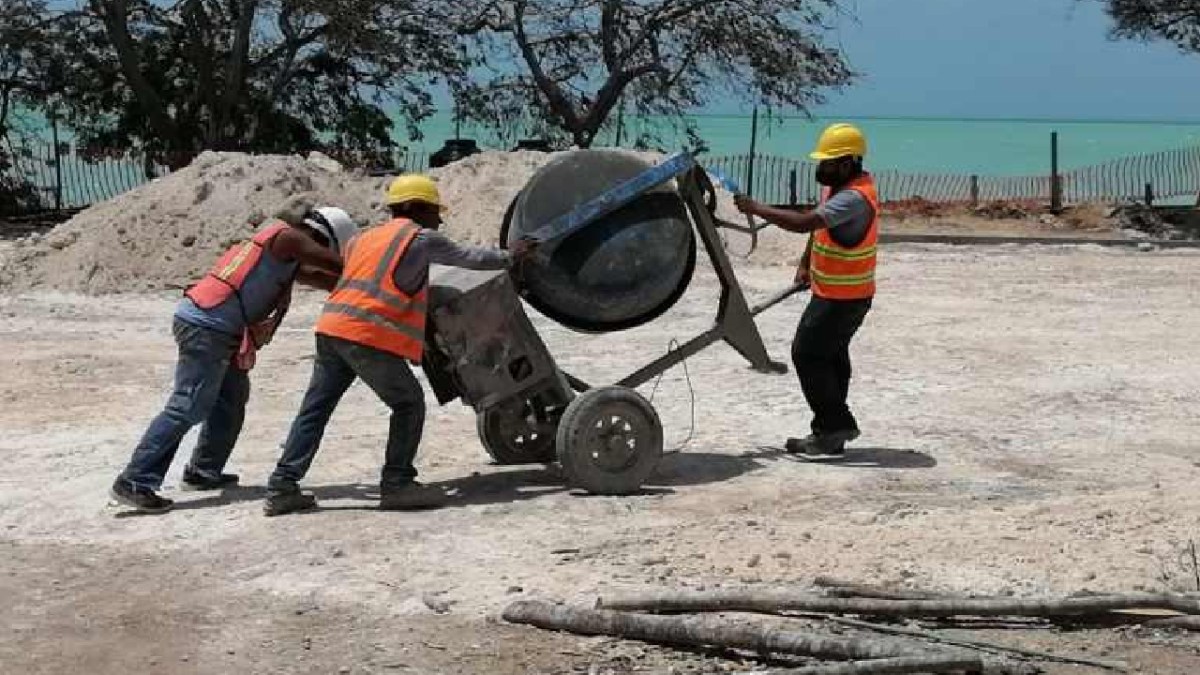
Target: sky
1007, 59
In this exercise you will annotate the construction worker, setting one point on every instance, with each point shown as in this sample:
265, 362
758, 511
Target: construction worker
219, 325
839, 266
373, 325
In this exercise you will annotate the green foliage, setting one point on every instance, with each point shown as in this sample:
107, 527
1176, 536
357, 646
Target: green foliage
578, 61
1176, 21
270, 75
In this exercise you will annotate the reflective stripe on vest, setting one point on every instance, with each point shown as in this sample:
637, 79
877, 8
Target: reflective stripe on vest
232, 269
365, 306
847, 273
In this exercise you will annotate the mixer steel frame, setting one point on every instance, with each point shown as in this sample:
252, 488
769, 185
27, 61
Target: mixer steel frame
607, 439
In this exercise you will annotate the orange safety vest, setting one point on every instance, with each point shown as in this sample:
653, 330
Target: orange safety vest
227, 277
366, 307
840, 273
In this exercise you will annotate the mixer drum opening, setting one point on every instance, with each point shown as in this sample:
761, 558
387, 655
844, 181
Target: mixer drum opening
621, 271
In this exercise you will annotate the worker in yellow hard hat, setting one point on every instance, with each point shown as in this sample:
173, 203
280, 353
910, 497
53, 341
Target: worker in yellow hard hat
372, 327
839, 267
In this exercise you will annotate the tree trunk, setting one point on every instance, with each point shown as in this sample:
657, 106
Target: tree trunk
771, 601
239, 58
115, 15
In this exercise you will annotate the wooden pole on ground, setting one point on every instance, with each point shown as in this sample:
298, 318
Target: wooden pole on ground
785, 600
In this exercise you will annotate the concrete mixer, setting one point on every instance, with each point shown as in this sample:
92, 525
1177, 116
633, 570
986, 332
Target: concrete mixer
617, 248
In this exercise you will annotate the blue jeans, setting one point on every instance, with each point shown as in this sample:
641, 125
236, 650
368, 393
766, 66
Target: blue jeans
208, 390
337, 364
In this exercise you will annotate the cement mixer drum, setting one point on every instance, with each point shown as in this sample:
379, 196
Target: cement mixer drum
621, 271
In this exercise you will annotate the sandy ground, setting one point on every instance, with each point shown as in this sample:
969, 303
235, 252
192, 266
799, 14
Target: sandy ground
1029, 428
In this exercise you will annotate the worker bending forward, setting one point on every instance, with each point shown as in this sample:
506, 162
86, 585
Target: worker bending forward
373, 325
839, 264
219, 325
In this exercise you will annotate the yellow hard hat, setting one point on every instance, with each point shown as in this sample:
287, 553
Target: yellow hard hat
414, 187
840, 140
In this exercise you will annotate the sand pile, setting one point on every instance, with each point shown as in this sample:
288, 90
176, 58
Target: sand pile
165, 234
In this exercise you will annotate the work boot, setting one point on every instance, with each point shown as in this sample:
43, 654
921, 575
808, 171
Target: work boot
289, 501
196, 481
411, 496
142, 500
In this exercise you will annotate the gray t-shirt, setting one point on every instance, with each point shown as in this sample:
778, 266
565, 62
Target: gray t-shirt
431, 247
849, 216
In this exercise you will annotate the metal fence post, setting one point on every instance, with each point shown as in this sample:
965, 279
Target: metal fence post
1056, 196
1149, 194
793, 188
753, 149
57, 164
974, 190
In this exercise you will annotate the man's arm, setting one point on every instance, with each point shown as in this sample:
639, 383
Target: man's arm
792, 221
291, 244
316, 278
445, 251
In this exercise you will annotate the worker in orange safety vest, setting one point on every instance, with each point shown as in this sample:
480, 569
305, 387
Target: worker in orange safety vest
372, 327
219, 326
839, 266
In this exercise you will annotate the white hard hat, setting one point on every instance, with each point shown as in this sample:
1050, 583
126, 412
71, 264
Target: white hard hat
337, 226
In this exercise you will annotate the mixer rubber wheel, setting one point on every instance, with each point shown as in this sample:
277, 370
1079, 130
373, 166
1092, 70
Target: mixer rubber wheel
609, 441
511, 435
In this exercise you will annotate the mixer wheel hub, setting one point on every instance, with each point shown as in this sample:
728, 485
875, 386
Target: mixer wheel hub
609, 441
513, 434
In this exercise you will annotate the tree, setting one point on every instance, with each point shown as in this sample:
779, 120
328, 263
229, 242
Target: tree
576, 62
24, 52
1176, 21
179, 76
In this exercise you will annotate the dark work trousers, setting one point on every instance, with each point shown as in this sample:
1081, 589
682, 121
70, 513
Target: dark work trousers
821, 354
337, 365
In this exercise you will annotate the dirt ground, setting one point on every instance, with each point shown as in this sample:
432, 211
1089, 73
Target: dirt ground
1029, 428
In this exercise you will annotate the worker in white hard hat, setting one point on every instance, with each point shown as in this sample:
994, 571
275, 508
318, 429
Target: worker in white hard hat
222, 321
839, 266
372, 327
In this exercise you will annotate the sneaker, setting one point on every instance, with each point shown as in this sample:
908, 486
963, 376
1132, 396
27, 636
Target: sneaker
197, 481
143, 500
413, 495
816, 446
283, 503
844, 436
798, 446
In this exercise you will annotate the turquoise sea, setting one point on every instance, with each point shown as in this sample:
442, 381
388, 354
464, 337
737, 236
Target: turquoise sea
984, 147
909, 145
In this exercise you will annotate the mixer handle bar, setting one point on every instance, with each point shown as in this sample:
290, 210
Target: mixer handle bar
591, 211
779, 297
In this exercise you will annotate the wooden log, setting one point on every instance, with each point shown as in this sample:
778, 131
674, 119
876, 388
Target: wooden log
1191, 623
781, 600
896, 666
980, 644
837, 588
700, 631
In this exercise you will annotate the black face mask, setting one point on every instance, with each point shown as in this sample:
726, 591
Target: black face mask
833, 174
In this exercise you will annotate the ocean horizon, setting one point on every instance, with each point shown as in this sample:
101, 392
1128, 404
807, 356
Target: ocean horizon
986, 147
910, 144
